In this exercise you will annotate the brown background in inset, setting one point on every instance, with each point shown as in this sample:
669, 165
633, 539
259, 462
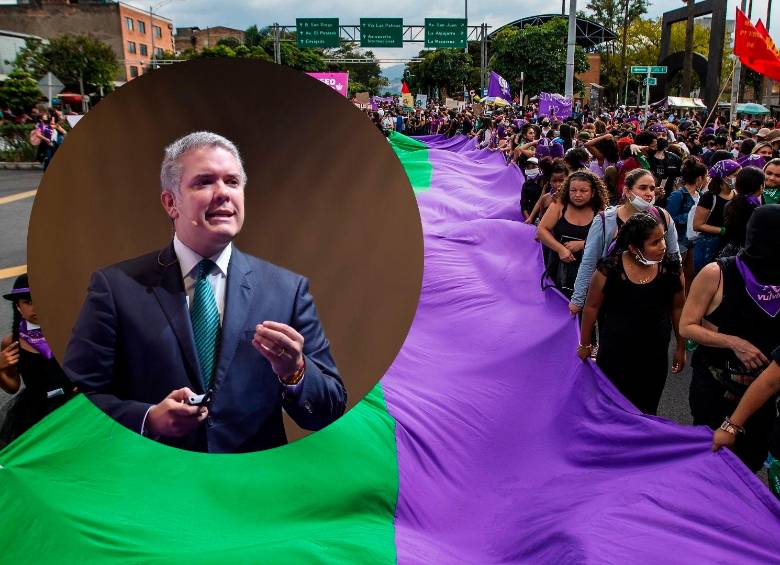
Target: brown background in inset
326, 198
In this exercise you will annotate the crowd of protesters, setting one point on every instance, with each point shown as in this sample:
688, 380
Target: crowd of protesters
654, 225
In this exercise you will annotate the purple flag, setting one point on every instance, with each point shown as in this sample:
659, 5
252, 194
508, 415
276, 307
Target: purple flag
554, 105
499, 87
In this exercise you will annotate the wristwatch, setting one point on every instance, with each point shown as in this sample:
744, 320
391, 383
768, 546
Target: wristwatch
733, 429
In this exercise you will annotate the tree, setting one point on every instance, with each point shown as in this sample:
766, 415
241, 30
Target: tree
610, 13
446, 69
71, 58
539, 52
19, 91
363, 77
231, 42
617, 15
253, 37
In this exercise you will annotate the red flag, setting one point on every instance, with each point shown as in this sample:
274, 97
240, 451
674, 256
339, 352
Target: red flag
752, 49
405, 88
761, 29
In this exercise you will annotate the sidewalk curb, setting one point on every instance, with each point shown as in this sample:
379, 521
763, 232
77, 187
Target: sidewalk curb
25, 166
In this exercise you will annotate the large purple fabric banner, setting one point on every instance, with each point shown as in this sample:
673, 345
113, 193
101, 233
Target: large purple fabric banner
554, 105
510, 449
498, 86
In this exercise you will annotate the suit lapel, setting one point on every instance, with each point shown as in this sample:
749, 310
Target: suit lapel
238, 301
173, 301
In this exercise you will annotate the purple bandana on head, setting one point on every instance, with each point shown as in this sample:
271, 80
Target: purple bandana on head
708, 131
754, 161
542, 151
658, 128
35, 339
765, 295
722, 169
556, 150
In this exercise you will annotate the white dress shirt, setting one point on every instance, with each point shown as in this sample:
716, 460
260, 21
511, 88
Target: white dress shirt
188, 261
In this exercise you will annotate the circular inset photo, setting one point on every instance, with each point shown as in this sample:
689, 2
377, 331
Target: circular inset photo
224, 255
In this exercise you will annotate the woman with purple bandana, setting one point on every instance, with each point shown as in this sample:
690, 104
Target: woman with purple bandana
733, 314
709, 216
26, 356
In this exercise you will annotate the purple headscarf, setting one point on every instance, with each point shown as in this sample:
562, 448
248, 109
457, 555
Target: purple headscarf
556, 150
708, 131
542, 151
754, 161
658, 128
722, 169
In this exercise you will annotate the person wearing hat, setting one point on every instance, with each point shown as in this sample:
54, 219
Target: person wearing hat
709, 216
26, 356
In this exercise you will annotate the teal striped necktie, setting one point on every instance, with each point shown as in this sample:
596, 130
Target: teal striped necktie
205, 322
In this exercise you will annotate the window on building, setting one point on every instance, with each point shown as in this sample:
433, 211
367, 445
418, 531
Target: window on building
141, 27
129, 24
158, 52
157, 31
131, 47
133, 72
144, 51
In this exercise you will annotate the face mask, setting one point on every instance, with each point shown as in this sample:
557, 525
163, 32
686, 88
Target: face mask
729, 183
641, 259
640, 204
532, 173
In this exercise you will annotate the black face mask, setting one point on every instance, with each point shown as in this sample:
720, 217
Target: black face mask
662, 144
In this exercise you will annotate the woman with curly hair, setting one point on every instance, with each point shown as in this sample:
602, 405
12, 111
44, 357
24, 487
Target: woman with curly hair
555, 173
565, 226
637, 294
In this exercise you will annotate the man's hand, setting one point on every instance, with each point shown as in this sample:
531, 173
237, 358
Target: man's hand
173, 417
9, 356
281, 345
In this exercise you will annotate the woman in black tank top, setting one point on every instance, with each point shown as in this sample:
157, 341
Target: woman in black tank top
733, 313
565, 225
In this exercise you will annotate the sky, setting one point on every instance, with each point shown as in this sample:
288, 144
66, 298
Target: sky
242, 14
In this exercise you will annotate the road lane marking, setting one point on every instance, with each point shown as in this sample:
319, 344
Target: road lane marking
9, 272
17, 196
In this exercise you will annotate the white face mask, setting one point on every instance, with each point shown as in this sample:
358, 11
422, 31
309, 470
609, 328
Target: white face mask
640, 204
641, 259
532, 173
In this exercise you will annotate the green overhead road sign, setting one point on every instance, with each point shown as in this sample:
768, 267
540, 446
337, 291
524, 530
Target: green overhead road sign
639, 70
650, 81
381, 32
317, 32
660, 70
445, 32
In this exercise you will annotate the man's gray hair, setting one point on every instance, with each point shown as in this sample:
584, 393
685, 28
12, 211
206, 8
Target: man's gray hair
171, 168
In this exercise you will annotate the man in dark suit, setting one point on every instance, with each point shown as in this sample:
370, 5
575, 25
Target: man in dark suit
200, 315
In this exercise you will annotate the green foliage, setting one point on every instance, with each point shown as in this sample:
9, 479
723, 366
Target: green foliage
15, 143
241, 51
539, 52
72, 56
19, 92
231, 42
610, 13
253, 37
445, 69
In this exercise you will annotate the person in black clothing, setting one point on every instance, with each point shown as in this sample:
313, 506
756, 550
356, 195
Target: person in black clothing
637, 295
25, 356
709, 215
749, 186
532, 186
732, 313
665, 167
565, 225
